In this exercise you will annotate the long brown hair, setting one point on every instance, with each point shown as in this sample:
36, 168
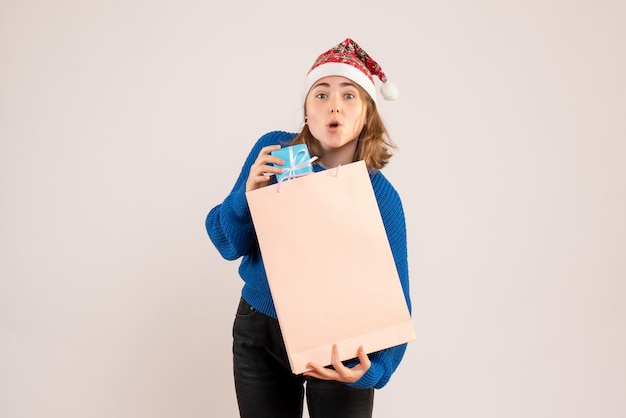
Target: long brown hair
374, 144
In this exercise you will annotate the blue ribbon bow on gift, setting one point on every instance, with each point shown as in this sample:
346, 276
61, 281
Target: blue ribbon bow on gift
297, 160
294, 164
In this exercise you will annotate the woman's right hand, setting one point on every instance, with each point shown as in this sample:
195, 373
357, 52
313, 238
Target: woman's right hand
261, 171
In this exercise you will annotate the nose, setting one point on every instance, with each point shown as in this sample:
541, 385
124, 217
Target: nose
334, 106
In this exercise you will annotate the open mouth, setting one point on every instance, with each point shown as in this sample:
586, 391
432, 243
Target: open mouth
333, 124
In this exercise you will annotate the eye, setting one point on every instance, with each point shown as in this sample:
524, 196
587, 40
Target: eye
321, 95
349, 96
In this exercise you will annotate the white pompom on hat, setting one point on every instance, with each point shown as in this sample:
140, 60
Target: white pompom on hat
349, 60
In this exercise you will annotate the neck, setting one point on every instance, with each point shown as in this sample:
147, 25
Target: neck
338, 156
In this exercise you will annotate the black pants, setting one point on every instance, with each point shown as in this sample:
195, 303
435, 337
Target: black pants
265, 385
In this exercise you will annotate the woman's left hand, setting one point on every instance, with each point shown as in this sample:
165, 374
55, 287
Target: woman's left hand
340, 373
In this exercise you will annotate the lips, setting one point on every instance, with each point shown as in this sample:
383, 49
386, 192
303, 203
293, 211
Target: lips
333, 124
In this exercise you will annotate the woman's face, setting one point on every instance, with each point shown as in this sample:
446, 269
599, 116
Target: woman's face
335, 112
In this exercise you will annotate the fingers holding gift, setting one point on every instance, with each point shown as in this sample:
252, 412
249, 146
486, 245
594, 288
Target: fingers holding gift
263, 168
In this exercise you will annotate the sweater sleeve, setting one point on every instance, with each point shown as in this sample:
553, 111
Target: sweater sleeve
229, 224
385, 362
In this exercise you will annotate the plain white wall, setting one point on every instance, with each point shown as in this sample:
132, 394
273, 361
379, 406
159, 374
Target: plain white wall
123, 122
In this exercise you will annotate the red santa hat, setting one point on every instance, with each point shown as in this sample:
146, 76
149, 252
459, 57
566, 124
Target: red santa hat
349, 60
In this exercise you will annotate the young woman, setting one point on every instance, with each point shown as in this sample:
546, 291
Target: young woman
341, 125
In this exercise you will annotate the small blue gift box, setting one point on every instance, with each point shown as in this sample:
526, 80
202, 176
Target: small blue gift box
297, 161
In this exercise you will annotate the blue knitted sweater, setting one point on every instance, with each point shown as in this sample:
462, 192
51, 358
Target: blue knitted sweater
230, 228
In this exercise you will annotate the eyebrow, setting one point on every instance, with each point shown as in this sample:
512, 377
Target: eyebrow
344, 84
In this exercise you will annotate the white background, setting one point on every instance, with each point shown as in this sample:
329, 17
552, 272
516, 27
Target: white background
123, 122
